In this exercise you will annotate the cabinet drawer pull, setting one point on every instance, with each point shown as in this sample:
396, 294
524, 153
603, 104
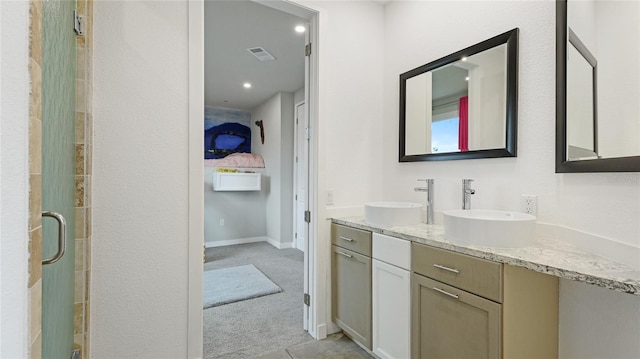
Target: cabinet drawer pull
345, 254
346, 239
445, 292
446, 268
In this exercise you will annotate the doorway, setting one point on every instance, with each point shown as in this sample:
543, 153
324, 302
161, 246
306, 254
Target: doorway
312, 285
286, 183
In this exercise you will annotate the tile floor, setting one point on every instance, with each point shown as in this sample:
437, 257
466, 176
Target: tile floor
336, 346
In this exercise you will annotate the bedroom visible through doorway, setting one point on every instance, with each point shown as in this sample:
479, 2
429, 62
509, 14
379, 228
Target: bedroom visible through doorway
256, 171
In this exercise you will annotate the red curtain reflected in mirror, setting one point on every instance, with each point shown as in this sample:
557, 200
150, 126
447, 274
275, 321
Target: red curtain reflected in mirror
463, 124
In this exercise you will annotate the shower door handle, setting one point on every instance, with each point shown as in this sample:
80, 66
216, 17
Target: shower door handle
62, 236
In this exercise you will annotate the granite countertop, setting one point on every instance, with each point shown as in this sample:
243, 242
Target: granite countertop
547, 256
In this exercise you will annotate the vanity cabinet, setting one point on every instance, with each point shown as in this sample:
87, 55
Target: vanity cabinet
468, 307
351, 282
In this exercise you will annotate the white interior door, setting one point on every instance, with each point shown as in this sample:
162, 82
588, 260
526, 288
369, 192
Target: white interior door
300, 176
301, 179
310, 311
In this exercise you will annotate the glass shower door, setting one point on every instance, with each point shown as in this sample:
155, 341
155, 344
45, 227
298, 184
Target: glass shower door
58, 174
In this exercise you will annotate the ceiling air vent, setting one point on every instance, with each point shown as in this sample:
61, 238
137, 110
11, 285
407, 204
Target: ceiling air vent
261, 54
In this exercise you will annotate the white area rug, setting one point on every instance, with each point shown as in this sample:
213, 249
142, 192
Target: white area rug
228, 285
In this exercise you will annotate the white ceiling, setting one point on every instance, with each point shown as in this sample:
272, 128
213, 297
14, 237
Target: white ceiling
448, 81
233, 26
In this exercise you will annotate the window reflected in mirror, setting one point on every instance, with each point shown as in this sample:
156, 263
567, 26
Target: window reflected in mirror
445, 134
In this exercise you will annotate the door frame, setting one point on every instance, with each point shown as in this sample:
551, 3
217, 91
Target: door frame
317, 253
196, 243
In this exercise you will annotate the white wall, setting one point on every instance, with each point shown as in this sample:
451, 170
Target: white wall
276, 115
351, 95
580, 126
418, 117
598, 323
618, 77
487, 105
243, 212
14, 170
582, 19
140, 183
349, 133
286, 175
607, 28
298, 96
605, 204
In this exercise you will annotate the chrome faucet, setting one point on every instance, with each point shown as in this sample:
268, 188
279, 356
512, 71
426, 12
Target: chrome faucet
429, 189
467, 191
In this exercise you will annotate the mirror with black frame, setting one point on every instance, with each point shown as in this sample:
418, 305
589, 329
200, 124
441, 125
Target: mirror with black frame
463, 105
597, 86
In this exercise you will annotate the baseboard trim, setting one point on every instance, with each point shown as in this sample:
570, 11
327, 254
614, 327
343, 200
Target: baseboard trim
279, 245
231, 242
332, 328
321, 331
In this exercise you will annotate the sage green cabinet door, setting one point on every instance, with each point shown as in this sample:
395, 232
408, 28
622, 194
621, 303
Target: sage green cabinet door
451, 323
351, 294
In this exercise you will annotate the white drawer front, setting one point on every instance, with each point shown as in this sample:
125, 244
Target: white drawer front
391, 250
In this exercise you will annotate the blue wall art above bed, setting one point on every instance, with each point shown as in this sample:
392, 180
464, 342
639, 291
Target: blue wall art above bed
226, 131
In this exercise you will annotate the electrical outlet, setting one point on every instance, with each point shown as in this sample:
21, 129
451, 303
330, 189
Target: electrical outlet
221, 222
329, 197
529, 204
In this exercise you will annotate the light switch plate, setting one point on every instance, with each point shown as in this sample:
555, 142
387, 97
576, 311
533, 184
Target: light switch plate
329, 197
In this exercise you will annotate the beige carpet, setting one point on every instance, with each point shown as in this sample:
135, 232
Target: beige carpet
262, 325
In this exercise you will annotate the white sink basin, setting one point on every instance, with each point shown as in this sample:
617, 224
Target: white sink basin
391, 214
502, 229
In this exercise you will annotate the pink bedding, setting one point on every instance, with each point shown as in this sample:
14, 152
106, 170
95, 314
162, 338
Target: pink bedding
237, 160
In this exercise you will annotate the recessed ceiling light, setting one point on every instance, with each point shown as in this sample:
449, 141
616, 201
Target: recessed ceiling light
247, 85
466, 78
464, 58
300, 28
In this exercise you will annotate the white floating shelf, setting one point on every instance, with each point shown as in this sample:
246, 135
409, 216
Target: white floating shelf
236, 181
